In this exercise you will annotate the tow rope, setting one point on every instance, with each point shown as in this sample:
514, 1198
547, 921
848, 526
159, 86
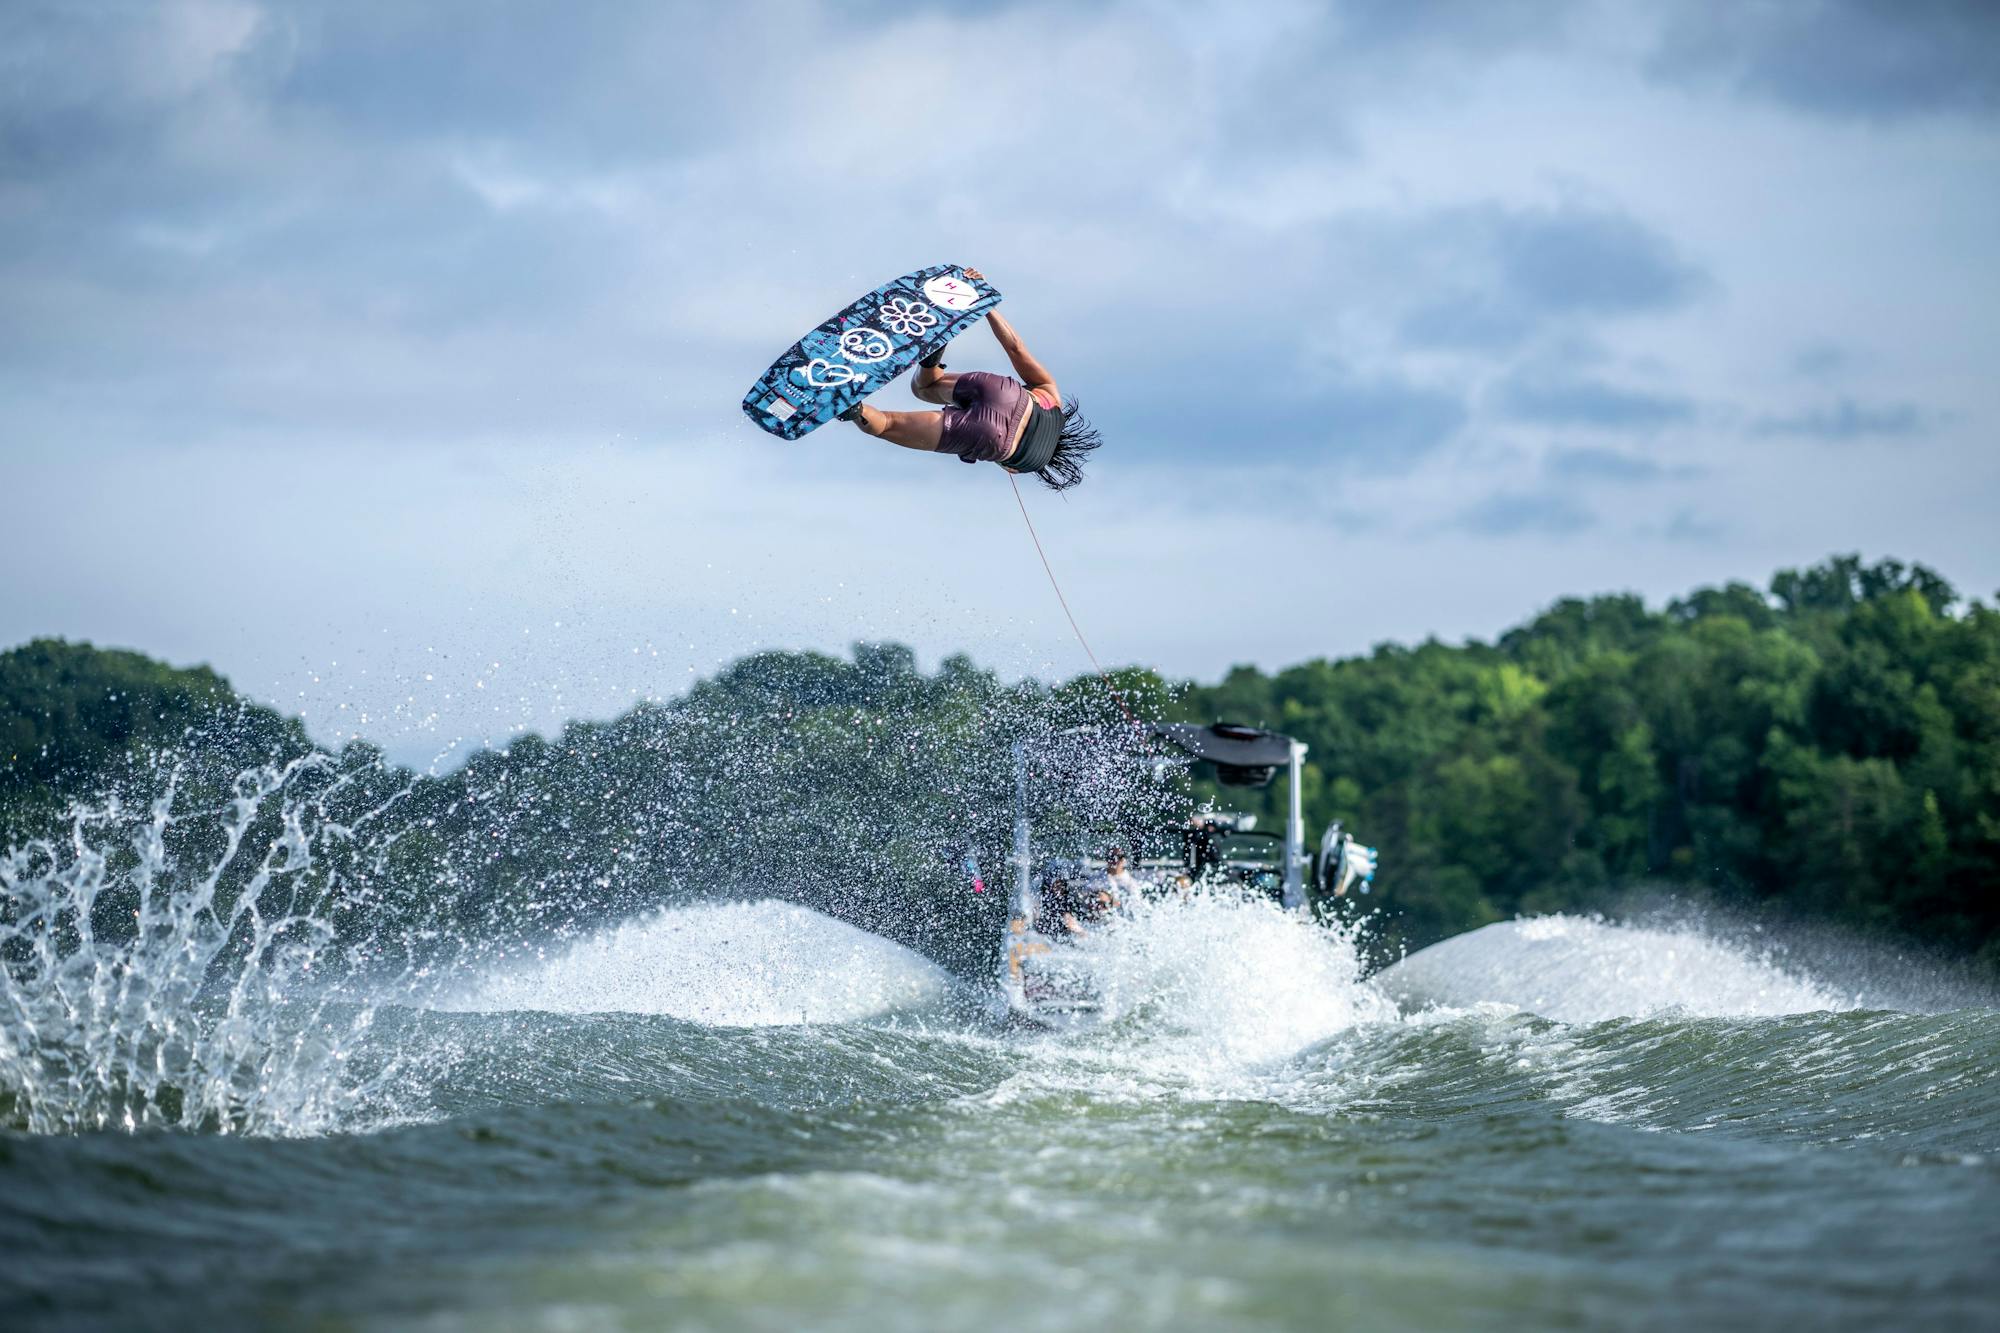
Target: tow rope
1013, 481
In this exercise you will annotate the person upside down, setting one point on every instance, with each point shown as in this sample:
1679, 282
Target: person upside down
1025, 425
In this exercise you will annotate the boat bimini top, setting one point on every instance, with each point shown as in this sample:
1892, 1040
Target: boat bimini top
1243, 756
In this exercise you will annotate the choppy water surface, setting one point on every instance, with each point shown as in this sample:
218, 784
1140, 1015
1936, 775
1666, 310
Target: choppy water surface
752, 1116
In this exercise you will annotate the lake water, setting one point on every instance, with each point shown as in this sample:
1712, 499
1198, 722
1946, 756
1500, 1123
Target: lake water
752, 1116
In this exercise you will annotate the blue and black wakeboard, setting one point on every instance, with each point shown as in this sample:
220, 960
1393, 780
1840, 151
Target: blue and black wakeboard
865, 346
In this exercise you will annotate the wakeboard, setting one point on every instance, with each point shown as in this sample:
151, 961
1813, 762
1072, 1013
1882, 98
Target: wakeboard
861, 349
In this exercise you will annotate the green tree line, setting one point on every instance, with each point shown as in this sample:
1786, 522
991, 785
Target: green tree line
1829, 746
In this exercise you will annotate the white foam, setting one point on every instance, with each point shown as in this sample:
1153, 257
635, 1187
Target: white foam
741, 964
1580, 970
1229, 982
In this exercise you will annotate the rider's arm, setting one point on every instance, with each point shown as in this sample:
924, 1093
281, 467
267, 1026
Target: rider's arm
1032, 372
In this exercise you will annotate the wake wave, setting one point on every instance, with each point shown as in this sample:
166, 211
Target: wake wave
739, 964
1580, 970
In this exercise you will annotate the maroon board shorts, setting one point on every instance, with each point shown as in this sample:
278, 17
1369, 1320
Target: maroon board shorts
984, 417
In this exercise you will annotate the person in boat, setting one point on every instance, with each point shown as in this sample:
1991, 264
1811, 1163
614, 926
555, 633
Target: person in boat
1069, 909
1025, 425
1117, 883
1055, 910
1199, 844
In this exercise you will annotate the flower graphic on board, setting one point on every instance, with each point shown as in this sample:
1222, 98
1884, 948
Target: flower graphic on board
906, 317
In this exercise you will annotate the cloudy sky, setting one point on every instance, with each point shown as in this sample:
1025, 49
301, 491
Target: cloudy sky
388, 356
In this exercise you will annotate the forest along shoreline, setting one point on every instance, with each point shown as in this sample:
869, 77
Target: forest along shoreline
1826, 748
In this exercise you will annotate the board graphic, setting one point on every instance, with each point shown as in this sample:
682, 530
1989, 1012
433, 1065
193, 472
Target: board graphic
865, 346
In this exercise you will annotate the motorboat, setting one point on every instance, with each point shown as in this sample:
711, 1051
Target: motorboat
1062, 889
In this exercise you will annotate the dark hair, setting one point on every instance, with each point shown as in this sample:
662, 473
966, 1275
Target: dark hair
1065, 467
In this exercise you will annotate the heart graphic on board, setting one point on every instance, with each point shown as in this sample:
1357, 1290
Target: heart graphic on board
823, 374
